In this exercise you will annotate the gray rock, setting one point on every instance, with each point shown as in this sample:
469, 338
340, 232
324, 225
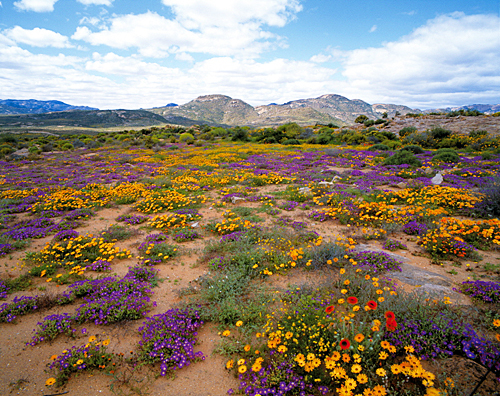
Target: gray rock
20, 154
428, 171
236, 199
438, 179
439, 292
401, 185
416, 276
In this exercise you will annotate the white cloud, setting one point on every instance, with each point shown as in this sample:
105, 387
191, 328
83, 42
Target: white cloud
373, 28
38, 37
35, 5
453, 58
198, 14
320, 58
182, 56
221, 28
96, 2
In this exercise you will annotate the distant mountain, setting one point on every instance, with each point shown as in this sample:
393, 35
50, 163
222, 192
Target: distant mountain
86, 119
483, 108
32, 106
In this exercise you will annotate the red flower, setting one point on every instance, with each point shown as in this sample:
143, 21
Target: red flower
391, 325
330, 309
372, 304
389, 315
344, 344
352, 300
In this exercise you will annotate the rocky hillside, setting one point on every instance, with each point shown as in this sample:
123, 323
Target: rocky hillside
325, 109
87, 119
31, 106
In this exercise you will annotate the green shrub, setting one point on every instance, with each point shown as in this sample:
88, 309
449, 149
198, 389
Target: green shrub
290, 141
407, 131
392, 144
439, 133
378, 147
402, 157
67, 147
413, 148
446, 155
361, 119
186, 138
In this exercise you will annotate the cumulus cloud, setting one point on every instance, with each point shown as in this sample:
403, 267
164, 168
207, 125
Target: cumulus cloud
38, 37
198, 14
453, 58
218, 28
96, 2
35, 5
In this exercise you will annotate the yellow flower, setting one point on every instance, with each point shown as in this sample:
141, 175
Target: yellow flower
239, 323
226, 333
247, 348
346, 282
242, 369
359, 337
356, 368
380, 372
50, 381
310, 356
341, 301
344, 291
383, 355
396, 368
362, 378
409, 349
53, 357
92, 338
230, 364
241, 361
105, 342
342, 271
79, 361
496, 323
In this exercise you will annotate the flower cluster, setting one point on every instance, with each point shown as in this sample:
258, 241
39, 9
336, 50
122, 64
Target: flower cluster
391, 244
485, 291
19, 306
414, 228
52, 326
3, 289
376, 262
169, 339
155, 250
185, 234
288, 205
91, 356
440, 243
132, 219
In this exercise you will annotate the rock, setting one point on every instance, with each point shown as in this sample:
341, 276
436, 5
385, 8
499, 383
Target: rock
428, 171
439, 292
196, 224
325, 183
236, 199
438, 179
416, 276
336, 179
304, 190
401, 185
20, 154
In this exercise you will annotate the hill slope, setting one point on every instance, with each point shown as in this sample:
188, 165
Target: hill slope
32, 106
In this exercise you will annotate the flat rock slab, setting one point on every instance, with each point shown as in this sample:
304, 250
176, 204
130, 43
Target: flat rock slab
369, 248
415, 276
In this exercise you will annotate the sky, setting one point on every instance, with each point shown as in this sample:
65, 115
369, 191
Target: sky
131, 54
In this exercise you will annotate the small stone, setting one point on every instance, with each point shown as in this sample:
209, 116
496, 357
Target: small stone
401, 185
438, 179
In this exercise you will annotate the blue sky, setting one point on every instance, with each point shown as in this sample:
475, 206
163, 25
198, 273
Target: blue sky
139, 54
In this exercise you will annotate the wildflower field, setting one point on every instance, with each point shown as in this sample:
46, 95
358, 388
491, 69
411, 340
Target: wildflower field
231, 267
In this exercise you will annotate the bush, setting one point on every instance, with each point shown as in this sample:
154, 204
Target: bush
361, 119
378, 147
439, 133
290, 141
413, 148
392, 144
407, 131
186, 138
447, 157
402, 157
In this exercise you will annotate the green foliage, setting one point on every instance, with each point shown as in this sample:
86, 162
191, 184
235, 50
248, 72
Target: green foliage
186, 138
361, 119
116, 232
378, 147
407, 131
446, 155
403, 157
439, 133
413, 148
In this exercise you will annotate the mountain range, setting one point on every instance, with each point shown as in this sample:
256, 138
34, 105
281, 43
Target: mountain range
215, 110
32, 106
